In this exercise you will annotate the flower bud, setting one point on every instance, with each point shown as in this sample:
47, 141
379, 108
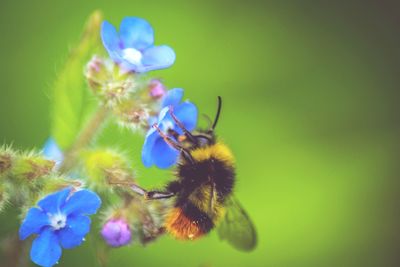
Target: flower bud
96, 73
107, 81
116, 232
104, 168
5, 163
156, 89
132, 116
4, 196
57, 183
30, 167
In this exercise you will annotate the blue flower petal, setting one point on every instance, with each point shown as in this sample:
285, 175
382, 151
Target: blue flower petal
173, 97
136, 33
82, 202
111, 40
46, 250
151, 120
163, 114
187, 114
52, 151
34, 221
163, 155
126, 66
157, 57
151, 137
72, 235
53, 202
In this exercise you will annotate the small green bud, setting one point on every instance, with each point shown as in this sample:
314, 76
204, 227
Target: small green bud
31, 167
53, 184
105, 168
5, 163
4, 196
7, 156
97, 73
131, 115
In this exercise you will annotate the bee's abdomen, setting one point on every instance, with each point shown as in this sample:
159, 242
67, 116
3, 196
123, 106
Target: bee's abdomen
188, 222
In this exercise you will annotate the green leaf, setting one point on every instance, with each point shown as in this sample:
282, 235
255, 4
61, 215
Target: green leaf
70, 96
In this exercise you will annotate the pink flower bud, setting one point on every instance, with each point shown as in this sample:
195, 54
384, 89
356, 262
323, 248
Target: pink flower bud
157, 89
116, 232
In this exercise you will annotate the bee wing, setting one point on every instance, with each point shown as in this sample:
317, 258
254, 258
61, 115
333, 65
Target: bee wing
236, 227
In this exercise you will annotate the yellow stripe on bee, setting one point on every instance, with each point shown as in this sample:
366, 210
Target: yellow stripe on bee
201, 198
217, 151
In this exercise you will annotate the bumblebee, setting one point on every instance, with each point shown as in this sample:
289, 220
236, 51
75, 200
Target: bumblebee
205, 178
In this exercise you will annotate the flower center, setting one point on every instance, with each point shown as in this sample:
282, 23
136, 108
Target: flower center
132, 55
58, 221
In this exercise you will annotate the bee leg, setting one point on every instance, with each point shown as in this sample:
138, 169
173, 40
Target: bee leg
176, 135
137, 189
167, 139
143, 192
151, 194
158, 195
188, 134
174, 144
171, 190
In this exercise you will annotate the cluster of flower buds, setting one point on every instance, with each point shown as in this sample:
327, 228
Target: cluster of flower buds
136, 221
132, 100
24, 177
59, 207
145, 103
107, 81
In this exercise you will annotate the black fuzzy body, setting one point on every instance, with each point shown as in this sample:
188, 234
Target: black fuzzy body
193, 179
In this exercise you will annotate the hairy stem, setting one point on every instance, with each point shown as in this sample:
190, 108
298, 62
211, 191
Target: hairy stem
15, 252
84, 138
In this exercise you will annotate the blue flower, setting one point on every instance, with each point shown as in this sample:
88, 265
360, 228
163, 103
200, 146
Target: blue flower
52, 151
133, 47
60, 221
155, 150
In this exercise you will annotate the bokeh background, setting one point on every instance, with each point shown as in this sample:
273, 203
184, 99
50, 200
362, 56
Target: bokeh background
311, 111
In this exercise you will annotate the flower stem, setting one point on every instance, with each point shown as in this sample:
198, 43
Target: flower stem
100, 250
15, 252
84, 138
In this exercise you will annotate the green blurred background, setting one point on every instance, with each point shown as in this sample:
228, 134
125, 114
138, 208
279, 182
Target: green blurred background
310, 92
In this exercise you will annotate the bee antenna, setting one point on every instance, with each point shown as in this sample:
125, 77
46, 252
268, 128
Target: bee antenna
208, 119
217, 115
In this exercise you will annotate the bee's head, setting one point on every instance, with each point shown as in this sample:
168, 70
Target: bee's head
207, 136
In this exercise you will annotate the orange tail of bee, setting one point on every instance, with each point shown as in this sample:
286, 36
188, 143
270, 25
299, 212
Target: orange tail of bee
180, 226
